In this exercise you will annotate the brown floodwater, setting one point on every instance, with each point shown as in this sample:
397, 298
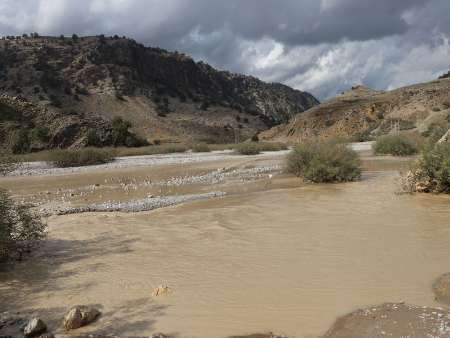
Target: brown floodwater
283, 260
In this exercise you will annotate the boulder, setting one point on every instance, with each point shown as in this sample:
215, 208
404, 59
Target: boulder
34, 328
80, 316
47, 335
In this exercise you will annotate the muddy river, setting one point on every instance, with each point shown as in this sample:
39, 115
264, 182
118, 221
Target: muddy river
283, 260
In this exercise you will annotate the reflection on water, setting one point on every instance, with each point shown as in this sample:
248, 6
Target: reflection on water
289, 260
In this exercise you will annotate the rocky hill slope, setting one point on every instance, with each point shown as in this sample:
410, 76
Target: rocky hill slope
27, 127
165, 95
362, 113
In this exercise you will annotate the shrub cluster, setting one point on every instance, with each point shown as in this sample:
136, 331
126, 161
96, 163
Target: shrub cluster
248, 148
272, 146
254, 148
201, 148
324, 162
80, 157
432, 171
19, 228
396, 145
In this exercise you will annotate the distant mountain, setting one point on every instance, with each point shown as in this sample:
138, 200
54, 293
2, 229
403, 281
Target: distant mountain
166, 96
362, 113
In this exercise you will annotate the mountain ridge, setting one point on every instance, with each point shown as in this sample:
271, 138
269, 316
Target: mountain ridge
166, 95
363, 113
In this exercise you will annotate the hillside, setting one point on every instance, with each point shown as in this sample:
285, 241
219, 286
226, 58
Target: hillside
166, 96
362, 113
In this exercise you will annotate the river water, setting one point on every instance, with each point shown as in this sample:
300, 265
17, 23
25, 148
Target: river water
284, 260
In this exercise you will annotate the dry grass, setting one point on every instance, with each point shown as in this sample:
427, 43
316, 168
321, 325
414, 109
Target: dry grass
168, 148
80, 157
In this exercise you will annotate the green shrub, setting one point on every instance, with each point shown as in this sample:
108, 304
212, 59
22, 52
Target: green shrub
21, 143
78, 158
204, 106
324, 162
201, 148
20, 229
55, 101
41, 133
248, 148
122, 135
396, 145
432, 171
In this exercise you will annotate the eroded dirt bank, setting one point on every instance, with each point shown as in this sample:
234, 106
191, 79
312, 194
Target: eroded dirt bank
273, 255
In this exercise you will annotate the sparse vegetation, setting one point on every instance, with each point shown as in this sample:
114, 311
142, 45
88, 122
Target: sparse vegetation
7, 164
81, 90
20, 228
252, 148
248, 148
324, 162
363, 136
153, 150
201, 148
431, 173
80, 157
272, 146
396, 145
434, 132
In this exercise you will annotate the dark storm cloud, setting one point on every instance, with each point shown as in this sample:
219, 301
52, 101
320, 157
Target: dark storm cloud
319, 45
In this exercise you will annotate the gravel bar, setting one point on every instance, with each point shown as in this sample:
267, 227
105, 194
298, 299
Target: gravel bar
146, 204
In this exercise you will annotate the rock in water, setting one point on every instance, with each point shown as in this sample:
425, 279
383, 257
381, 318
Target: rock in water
160, 291
34, 327
80, 316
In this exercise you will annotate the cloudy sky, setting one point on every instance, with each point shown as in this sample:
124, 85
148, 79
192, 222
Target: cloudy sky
322, 46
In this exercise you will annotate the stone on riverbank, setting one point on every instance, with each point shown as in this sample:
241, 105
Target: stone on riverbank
34, 327
392, 320
80, 316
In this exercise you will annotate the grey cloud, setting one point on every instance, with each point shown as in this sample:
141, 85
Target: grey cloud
319, 45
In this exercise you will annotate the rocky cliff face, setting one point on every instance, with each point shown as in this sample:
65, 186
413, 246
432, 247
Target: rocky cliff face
165, 95
362, 113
